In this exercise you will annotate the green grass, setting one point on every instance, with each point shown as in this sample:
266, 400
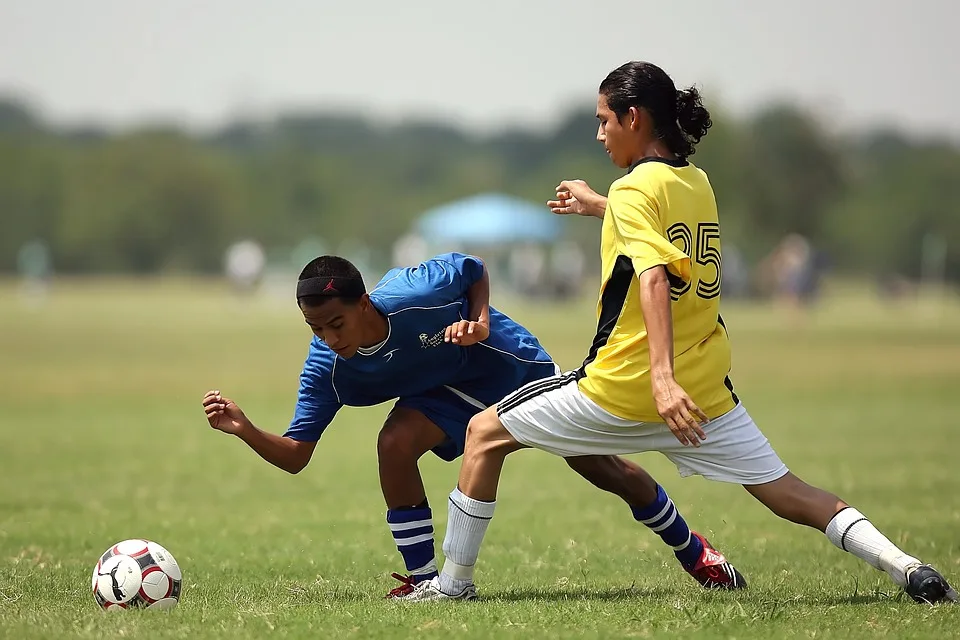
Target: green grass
102, 438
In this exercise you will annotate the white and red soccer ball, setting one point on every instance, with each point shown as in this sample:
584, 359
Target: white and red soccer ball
137, 573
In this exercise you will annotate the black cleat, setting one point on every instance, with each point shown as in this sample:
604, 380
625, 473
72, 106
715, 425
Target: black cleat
925, 584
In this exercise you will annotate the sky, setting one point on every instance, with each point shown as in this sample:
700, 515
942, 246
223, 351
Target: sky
122, 63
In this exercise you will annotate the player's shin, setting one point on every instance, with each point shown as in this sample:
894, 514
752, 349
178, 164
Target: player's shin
851, 531
467, 523
412, 529
663, 518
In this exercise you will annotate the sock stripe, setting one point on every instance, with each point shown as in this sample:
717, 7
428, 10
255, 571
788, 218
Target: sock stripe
469, 515
663, 512
664, 518
411, 533
406, 542
669, 512
681, 547
430, 567
665, 525
413, 524
843, 536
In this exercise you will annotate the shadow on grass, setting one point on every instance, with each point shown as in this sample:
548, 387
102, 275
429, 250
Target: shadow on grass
778, 598
566, 594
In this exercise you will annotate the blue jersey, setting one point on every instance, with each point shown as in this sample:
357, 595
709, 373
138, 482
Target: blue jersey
448, 382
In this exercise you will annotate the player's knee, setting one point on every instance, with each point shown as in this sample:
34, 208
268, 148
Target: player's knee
397, 442
483, 428
486, 435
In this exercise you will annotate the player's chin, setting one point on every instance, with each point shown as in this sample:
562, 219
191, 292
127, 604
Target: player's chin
617, 162
346, 352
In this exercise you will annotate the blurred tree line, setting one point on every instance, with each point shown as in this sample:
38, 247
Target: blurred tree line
156, 200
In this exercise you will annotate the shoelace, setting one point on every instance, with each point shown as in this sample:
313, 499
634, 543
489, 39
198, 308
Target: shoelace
405, 588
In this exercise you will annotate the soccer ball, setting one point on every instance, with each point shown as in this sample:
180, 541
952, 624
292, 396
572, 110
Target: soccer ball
137, 573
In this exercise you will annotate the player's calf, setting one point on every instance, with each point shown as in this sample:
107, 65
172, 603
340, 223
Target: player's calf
615, 475
851, 531
405, 437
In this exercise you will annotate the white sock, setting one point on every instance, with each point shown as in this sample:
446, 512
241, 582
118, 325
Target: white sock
851, 531
467, 521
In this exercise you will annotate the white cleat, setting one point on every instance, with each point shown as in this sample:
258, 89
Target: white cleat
429, 591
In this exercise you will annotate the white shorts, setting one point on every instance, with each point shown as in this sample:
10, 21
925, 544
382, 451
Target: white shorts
553, 415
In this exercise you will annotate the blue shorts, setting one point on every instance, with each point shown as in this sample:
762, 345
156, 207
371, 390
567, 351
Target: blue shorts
451, 413
447, 411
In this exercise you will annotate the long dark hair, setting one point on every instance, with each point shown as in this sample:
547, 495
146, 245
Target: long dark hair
679, 117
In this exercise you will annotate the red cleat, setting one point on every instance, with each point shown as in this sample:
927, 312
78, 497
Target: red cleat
406, 588
713, 571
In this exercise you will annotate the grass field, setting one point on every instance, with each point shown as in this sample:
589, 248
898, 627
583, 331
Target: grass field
102, 438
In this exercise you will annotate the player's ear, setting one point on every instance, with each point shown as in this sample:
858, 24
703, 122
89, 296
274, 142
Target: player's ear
633, 119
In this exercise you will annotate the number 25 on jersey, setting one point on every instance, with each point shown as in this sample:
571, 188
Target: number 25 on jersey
705, 251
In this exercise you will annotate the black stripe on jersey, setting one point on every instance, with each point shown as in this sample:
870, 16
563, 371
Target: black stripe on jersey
726, 380
611, 305
533, 390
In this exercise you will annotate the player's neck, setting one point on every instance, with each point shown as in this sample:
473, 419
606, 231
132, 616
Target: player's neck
376, 328
654, 149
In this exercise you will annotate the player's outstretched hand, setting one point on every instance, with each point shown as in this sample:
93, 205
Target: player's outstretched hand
466, 333
576, 196
679, 411
223, 413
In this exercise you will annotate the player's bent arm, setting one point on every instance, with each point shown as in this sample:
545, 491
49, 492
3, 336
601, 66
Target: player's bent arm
478, 299
281, 451
658, 318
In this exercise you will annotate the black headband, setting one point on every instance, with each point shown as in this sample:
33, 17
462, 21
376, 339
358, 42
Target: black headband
331, 287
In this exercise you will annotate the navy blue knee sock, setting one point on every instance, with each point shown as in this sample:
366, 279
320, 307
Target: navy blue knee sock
663, 519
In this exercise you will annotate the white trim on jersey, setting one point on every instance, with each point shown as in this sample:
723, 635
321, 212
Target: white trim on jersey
383, 284
333, 375
441, 306
460, 394
482, 344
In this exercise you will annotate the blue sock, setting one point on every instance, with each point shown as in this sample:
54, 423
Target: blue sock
663, 519
412, 529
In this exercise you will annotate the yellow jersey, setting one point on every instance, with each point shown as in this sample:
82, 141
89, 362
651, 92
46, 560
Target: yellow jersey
662, 212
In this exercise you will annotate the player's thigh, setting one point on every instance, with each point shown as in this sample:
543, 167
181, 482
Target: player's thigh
447, 414
735, 451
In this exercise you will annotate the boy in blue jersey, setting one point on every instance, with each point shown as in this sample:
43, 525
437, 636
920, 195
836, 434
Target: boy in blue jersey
428, 337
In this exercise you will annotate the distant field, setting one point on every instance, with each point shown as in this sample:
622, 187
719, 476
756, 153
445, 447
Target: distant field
102, 438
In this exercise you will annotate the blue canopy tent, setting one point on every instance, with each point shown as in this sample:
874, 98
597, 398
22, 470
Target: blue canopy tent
489, 219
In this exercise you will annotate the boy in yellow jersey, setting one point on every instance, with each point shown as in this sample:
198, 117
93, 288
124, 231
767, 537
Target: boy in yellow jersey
655, 378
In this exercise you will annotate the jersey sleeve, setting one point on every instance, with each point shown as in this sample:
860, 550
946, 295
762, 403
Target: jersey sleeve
448, 276
640, 232
317, 401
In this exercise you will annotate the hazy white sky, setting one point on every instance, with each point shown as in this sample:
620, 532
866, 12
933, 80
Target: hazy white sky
121, 62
